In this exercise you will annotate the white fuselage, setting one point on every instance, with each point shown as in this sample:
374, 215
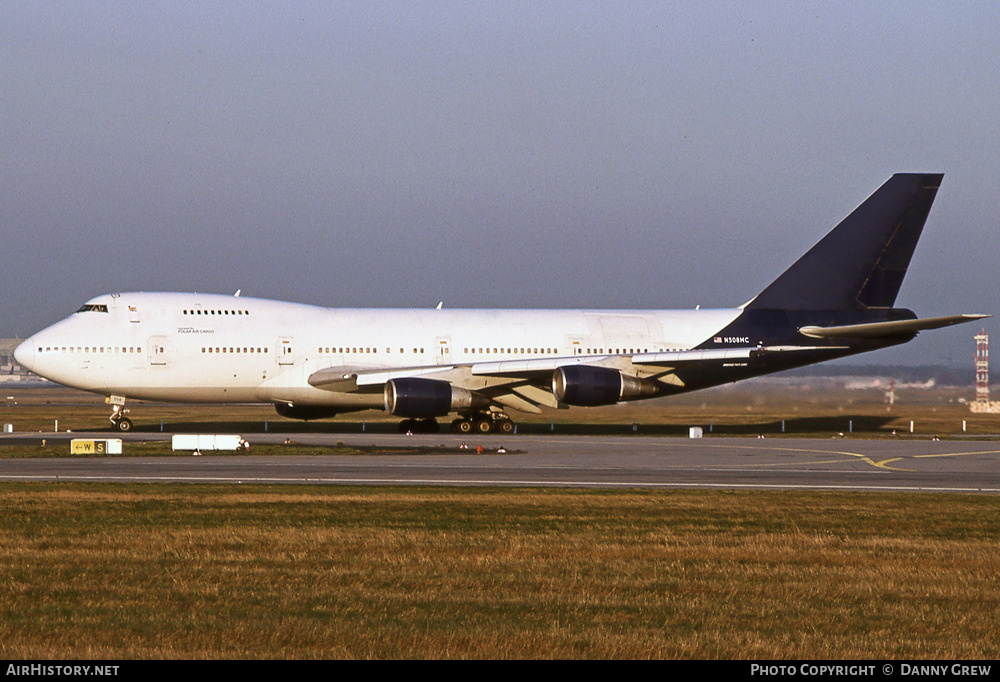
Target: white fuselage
215, 348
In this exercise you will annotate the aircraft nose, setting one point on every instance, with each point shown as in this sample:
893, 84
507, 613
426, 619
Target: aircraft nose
25, 354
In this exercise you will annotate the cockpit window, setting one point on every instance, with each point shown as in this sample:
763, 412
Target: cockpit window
93, 308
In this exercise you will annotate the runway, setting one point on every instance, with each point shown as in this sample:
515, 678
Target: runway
556, 461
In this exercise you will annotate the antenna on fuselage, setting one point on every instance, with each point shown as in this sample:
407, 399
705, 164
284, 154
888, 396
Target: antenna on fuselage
439, 305
237, 294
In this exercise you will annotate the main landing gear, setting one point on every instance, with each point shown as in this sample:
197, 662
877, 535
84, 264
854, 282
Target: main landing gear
475, 422
483, 423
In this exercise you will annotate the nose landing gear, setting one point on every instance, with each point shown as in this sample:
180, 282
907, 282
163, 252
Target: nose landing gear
118, 412
120, 421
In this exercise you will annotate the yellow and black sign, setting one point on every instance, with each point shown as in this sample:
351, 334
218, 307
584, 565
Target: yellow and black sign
88, 447
102, 446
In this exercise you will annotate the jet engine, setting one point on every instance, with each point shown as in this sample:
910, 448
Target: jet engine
305, 412
427, 398
591, 386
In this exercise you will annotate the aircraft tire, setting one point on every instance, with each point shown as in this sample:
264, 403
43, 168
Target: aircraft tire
124, 424
505, 426
484, 426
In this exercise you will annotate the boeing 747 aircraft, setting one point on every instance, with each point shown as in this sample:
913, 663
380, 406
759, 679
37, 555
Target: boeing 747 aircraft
420, 365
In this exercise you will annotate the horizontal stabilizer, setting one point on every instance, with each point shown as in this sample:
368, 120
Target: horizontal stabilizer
884, 329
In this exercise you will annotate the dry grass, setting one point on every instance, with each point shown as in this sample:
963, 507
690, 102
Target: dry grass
111, 571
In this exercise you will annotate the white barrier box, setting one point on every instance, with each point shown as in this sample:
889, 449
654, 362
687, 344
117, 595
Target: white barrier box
694, 432
205, 441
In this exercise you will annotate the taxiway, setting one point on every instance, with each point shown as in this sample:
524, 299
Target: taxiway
557, 461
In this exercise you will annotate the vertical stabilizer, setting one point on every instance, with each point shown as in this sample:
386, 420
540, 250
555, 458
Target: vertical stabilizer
861, 262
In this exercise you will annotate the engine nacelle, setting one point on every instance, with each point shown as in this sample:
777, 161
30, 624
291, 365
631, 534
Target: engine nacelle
305, 412
591, 386
426, 398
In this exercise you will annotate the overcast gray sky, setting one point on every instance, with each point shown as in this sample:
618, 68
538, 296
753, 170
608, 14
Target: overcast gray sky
536, 154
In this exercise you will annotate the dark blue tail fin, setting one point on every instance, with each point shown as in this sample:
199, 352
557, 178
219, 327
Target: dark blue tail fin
861, 262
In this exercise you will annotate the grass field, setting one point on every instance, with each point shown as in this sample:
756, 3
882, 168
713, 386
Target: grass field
133, 571
174, 571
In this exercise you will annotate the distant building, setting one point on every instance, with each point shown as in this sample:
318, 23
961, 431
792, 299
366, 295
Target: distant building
7, 347
10, 371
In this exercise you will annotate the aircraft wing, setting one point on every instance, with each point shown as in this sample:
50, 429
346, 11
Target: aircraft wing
525, 384
520, 388
348, 379
544, 366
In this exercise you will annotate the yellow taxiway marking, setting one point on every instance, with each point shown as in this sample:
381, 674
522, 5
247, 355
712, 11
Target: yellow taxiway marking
959, 454
880, 464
